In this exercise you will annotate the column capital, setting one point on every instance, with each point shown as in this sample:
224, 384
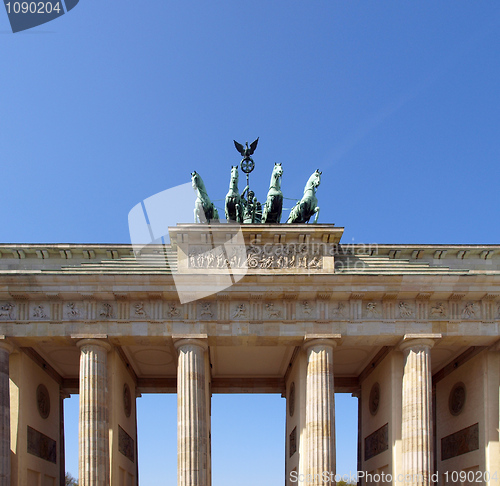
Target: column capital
321, 340
200, 340
415, 340
93, 342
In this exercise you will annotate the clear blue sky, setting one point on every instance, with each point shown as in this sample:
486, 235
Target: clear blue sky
396, 101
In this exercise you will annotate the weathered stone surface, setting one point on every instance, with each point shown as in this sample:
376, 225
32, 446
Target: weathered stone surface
377, 442
126, 444
461, 442
299, 282
417, 411
192, 440
4, 415
41, 445
94, 426
320, 409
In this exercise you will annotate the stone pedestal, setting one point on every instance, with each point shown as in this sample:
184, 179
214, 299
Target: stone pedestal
320, 410
5, 351
192, 440
416, 433
94, 426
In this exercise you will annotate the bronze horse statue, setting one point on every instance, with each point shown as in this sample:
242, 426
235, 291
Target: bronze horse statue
204, 209
274, 202
307, 206
235, 203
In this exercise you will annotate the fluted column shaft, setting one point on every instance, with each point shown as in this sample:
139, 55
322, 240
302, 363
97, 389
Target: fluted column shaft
417, 412
94, 422
4, 415
192, 440
320, 410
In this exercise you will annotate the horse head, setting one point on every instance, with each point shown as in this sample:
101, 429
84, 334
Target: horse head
314, 181
234, 175
197, 182
277, 170
316, 178
194, 179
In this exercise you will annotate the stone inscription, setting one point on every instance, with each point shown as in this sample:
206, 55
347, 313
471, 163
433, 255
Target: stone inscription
461, 442
126, 444
377, 442
42, 446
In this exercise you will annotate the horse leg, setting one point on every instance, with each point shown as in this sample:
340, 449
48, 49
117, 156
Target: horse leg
316, 210
195, 210
292, 215
303, 213
238, 213
267, 209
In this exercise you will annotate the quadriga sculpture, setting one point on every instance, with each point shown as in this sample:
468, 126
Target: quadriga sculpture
307, 206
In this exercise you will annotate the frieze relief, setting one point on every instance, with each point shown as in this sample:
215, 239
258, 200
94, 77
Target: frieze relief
273, 311
438, 309
207, 310
73, 311
373, 310
307, 308
339, 310
240, 311
40, 311
256, 309
470, 310
405, 310
7, 311
173, 310
220, 257
263, 257
106, 310
139, 310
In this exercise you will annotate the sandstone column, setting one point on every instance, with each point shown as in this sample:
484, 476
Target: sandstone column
94, 427
320, 410
192, 440
416, 431
5, 351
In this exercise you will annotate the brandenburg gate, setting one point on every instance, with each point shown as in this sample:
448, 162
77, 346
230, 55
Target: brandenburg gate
251, 306
411, 330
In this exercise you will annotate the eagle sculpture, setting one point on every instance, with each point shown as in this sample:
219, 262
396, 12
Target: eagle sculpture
246, 151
